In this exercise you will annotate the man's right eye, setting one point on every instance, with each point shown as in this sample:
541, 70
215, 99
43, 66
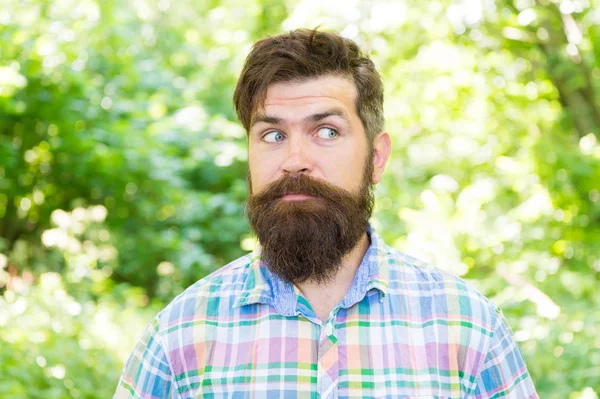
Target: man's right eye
273, 137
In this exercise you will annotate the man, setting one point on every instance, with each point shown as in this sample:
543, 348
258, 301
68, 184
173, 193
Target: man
323, 308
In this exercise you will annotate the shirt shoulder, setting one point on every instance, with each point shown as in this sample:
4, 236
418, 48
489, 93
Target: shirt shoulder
208, 297
440, 304
450, 296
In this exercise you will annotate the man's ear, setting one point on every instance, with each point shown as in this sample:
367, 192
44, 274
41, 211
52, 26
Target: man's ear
382, 146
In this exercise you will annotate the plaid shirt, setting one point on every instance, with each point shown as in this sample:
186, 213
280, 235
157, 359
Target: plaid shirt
404, 329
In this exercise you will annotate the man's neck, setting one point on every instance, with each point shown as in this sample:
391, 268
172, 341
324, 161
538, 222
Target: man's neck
325, 296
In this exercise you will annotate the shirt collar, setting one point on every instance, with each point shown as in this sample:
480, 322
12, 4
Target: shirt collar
263, 286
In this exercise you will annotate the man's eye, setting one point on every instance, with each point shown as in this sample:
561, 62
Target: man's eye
273, 137
327, 133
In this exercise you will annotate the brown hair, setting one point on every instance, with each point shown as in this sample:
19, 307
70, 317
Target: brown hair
304, 54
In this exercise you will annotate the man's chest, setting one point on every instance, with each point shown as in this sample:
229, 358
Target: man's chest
357, 356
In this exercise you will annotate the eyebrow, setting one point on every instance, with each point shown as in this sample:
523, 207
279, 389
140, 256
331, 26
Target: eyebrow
309, 119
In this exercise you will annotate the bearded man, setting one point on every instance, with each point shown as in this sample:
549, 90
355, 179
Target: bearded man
323, 308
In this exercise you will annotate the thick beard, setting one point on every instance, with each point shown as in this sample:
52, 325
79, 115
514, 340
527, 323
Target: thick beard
306, 240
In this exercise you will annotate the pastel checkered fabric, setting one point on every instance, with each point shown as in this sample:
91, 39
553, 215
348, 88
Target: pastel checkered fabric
404, 330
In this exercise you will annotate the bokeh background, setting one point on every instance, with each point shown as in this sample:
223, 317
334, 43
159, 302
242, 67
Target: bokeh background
122, 167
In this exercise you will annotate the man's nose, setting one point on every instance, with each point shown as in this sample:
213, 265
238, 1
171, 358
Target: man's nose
298, 159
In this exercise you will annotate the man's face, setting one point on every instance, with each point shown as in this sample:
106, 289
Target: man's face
310, 128
310, 174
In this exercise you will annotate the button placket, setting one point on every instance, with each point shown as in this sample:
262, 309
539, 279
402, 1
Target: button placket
329, 328
328, 361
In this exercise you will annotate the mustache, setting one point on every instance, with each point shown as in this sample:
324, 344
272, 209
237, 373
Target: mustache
300, 184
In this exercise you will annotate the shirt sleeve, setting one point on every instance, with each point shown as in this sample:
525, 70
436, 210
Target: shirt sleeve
147, 374
504, 373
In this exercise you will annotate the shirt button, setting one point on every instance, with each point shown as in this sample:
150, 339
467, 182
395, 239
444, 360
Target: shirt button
328, 329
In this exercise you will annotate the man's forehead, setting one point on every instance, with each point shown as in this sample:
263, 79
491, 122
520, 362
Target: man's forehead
329, 94
265, 117
332, 86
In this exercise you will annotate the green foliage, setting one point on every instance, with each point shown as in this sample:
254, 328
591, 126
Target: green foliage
73, 329
122, 168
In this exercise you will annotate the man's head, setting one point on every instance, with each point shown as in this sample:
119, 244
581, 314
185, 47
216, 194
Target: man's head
307, 54
312, 159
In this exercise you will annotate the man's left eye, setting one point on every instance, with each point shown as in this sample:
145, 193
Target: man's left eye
327, 133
